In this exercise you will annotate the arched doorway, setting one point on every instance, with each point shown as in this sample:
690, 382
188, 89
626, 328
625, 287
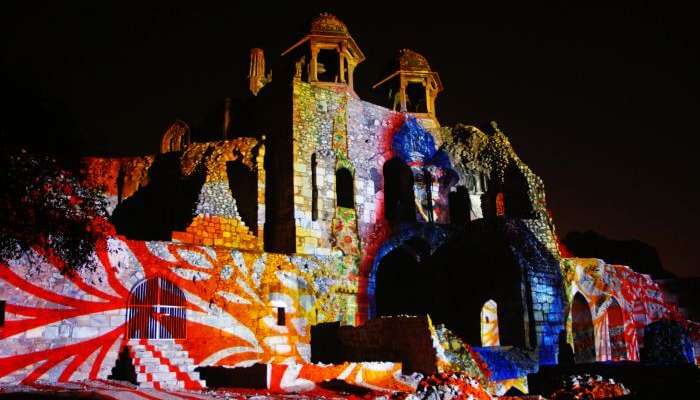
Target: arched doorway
582, 326
156, 310
489, 324
399, 196
616, 331
400, 288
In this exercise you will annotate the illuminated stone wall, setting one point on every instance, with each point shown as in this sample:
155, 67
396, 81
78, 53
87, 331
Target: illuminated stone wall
605, 287
62, 328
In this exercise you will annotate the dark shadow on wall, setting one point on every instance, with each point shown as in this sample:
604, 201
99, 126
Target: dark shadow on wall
124, 369
253, 377
167, 203
244, 188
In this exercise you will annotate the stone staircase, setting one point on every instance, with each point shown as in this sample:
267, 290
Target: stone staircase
163, 364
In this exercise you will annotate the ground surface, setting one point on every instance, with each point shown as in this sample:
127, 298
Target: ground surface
110, 390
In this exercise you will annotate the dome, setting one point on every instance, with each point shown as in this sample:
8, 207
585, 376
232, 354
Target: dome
409, 60
328, 24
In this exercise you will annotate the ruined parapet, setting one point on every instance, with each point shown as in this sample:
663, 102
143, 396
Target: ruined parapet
176, 138
118, 178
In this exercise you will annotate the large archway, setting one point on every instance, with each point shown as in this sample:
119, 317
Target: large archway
156, 310
616, 331
399, 283
582, 326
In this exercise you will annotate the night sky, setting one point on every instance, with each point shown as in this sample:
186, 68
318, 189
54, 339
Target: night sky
601, 103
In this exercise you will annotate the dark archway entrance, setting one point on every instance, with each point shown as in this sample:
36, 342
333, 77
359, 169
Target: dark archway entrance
400, 288
399, 198
616, 331
582, 326
156, 310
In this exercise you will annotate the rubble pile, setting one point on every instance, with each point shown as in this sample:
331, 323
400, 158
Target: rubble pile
587, 387
448, 386
455, 355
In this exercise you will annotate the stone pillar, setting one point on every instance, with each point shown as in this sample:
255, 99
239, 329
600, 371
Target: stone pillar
341, 69
351, 71
402, 96
313, 66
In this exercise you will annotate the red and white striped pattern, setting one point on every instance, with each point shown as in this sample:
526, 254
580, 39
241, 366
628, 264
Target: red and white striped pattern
105, 389
163, 364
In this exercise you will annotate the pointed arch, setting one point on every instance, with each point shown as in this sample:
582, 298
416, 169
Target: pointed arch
399, 278
489, 324
616, 331
582, 326
399, 196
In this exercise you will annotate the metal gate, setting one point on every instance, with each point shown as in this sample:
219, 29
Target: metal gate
156, 310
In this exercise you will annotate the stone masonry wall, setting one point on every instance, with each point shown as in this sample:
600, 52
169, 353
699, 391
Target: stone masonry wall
71, 327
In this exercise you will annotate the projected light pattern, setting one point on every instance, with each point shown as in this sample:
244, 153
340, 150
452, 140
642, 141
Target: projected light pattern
620, 301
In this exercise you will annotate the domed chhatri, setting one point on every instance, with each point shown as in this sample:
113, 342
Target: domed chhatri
328, 24
327, 54
412, 86
409, 60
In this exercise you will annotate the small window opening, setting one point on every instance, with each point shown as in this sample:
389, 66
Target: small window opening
314, 189
281, 317
500, 205
328, 65
415, 98
489, 324
344, 188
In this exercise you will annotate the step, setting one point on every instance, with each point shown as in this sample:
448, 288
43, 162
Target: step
172, 361
166, 354
177, 347
194, 375
156, 377
151, 368
152, 346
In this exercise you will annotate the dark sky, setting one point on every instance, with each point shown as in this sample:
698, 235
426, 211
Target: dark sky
601, 102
